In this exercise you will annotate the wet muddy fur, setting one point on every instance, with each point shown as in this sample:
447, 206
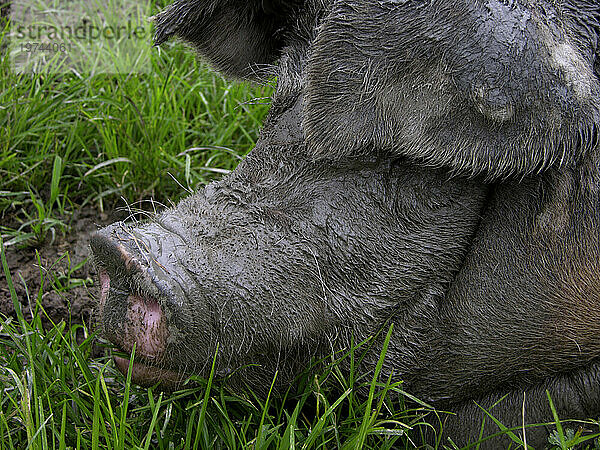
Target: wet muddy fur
432, 164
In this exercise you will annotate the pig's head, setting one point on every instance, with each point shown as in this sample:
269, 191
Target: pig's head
337, 222
284, 259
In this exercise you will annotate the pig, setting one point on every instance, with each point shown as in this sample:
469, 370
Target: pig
434, 165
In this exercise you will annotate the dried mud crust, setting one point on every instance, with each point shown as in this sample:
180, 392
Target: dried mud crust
70, 302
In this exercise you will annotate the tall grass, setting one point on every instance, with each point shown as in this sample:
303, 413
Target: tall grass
70, 140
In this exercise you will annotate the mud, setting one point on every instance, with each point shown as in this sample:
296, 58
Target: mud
66, 294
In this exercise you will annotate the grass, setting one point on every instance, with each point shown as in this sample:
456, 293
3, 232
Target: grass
70, 141
56, 394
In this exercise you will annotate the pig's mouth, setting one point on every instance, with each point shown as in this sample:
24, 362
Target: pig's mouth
132, 317
146, 376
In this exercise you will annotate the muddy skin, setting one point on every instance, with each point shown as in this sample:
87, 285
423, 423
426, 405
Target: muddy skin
285, 233
403, 176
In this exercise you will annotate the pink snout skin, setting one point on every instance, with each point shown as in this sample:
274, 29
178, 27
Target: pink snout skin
145, 327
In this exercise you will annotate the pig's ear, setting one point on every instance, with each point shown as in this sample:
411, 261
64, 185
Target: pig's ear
237, 37
491, 87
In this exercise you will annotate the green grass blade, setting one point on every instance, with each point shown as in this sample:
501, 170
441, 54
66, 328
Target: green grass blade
156, 408
55, 180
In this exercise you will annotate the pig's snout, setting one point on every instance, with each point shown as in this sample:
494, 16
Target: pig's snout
129, 307
143, 323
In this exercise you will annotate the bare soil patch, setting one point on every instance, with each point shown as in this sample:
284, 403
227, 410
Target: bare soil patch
68, 291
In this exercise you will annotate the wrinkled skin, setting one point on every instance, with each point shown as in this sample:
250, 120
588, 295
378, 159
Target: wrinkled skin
434, 165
